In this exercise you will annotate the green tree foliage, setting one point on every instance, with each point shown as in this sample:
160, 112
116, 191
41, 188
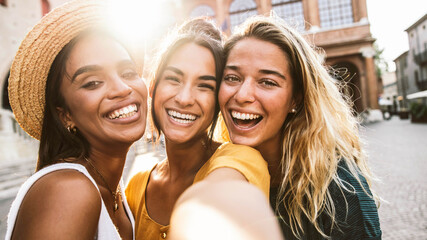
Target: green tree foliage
381, 64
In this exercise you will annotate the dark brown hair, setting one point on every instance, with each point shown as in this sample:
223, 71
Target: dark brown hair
203, 33
56, 142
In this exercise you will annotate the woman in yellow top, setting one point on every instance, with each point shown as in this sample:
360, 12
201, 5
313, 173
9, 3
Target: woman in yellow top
184, 108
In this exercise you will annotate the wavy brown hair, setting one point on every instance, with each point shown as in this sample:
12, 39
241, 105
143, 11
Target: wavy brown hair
202, 32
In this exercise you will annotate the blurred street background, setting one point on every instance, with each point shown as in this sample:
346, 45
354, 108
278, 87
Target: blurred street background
397, 155
378, 47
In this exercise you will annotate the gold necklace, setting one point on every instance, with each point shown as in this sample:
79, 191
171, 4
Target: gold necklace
114, 194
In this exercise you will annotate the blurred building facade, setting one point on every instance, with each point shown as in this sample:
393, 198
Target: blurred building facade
411, 66
340, 27
17, 17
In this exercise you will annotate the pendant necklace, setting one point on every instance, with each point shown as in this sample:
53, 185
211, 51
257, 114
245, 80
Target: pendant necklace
114, 194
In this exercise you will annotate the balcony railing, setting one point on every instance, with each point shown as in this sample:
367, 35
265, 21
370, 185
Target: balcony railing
421, 58
8, 124
422, 85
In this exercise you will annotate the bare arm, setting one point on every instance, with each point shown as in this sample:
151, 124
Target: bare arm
60, 205
223, 210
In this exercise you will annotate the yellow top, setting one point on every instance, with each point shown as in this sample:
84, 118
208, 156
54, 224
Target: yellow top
244, 159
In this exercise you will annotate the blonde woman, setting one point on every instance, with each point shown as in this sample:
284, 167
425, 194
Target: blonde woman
277, 96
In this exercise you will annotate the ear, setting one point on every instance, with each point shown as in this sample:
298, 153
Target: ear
65, 117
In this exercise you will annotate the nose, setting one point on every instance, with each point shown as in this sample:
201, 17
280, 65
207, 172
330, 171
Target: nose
246, 92
118, 88
185, 96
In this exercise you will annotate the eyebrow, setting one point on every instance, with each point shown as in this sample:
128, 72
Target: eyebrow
85, 69
207, 78
232, 67
179, 72
126, 63
264, 71
175, 70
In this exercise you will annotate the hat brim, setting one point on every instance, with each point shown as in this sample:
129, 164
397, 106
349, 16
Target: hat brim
38, 50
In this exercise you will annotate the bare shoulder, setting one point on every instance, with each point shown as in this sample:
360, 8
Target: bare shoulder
63, 201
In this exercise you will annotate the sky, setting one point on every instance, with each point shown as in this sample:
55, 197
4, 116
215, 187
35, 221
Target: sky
389, 19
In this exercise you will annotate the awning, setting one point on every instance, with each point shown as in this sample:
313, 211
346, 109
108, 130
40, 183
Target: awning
421, 94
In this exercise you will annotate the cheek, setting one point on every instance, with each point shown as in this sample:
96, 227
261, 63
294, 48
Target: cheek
277, 109
209, 104
224, 95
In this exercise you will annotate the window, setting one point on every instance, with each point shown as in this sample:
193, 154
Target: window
291, 11
3, 3
335, 13
240, 10
202, 10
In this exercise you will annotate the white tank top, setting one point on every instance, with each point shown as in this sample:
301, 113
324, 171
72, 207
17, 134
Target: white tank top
106, 228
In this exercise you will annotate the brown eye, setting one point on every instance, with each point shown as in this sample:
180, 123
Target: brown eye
268, 83
231, 78
91, 84
130, 74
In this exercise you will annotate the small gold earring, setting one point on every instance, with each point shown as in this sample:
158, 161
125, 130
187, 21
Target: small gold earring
72, 130
293, 110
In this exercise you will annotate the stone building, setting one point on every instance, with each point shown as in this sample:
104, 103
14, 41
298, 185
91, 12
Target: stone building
411, 66
340, 27
16, 19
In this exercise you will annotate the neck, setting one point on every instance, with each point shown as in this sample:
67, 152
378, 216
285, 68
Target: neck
185, 159
109, 165
272, 153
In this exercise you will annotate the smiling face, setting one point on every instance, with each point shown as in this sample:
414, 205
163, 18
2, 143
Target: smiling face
184, 101
256, 93
106, 99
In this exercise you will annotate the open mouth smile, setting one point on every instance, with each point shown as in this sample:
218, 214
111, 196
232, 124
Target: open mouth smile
124, 112
245, 120
181, 117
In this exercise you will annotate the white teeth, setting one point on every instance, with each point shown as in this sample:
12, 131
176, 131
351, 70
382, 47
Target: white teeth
244, 116
123, 112
180, 117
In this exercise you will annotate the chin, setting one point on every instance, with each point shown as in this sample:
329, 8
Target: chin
247, 141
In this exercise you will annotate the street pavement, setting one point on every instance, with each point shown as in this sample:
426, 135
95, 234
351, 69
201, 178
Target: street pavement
397, 152
398, 156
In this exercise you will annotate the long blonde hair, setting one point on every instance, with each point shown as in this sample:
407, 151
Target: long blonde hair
321, 133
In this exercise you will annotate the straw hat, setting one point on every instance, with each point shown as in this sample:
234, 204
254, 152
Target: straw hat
37, 52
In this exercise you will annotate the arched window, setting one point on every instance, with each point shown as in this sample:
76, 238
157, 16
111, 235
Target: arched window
202, 10
291, 11
240, 10
335, 13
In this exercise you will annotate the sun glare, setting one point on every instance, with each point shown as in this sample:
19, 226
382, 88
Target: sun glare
141, 20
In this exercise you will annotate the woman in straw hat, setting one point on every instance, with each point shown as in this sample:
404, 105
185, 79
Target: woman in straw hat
228, 184
277, 97
75, 88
